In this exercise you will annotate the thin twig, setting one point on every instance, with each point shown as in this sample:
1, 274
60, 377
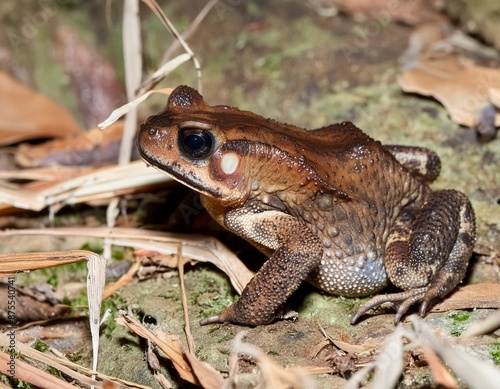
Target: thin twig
153, 5
189, 31
187, 328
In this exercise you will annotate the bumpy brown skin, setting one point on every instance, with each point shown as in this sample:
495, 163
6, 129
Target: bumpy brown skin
332, 205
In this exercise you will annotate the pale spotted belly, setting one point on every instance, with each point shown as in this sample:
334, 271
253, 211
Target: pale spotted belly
349, 273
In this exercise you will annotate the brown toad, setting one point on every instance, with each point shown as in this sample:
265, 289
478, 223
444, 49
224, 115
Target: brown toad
331, 205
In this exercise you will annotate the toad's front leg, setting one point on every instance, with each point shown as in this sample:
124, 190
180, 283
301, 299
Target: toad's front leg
427, 254
297, 252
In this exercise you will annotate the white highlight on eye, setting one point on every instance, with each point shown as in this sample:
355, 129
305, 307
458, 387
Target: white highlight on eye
229, 162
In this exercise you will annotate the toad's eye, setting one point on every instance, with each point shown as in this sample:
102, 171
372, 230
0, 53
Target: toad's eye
196, 143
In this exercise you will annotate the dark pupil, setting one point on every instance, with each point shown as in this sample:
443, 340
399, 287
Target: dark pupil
196, 143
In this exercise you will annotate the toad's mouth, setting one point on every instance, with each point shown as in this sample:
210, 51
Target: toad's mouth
175, 171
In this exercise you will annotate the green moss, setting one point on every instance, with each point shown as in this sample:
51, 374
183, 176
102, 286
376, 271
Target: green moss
460, 316
78, 356
458, 322
41, 346
19, 384
92, 246
211, 292
495, 353
113, 303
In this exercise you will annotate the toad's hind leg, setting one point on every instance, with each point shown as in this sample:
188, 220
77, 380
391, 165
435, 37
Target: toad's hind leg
427, 254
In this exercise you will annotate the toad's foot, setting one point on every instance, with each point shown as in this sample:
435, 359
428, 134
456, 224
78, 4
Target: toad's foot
229, 315
402, 301
427, 252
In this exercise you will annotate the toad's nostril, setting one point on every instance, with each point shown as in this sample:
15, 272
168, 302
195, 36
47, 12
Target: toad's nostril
154, 131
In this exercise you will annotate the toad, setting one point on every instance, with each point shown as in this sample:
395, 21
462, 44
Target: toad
331, 206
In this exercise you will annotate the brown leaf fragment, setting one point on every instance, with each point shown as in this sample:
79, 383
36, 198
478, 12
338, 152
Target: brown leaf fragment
441, 375
32, 374
342, 363
436, 65
25, 114
18, 262
28, 308
459, 85
472, 296
187, 365
94, 147
411, 12
149, 257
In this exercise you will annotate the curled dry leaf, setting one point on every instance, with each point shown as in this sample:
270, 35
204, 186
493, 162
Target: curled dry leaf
94, 147
19, 262
28, 115
196, 247
463, 87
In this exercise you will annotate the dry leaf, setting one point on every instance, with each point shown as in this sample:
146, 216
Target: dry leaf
410, 12
474, 372
200, 248
19, 262
441, 375
187, 365
98, 184
77, 372
28, 115
94, 147
434, 66
28, 308
31, 374
272, 375
462, 87
472, 296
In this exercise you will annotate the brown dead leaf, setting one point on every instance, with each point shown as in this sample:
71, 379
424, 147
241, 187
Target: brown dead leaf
411, 12
83, 376
32, 374
18, 262
441, 375
94, 147
28, 308
28, 115
435, 65
462, 87
472, 296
